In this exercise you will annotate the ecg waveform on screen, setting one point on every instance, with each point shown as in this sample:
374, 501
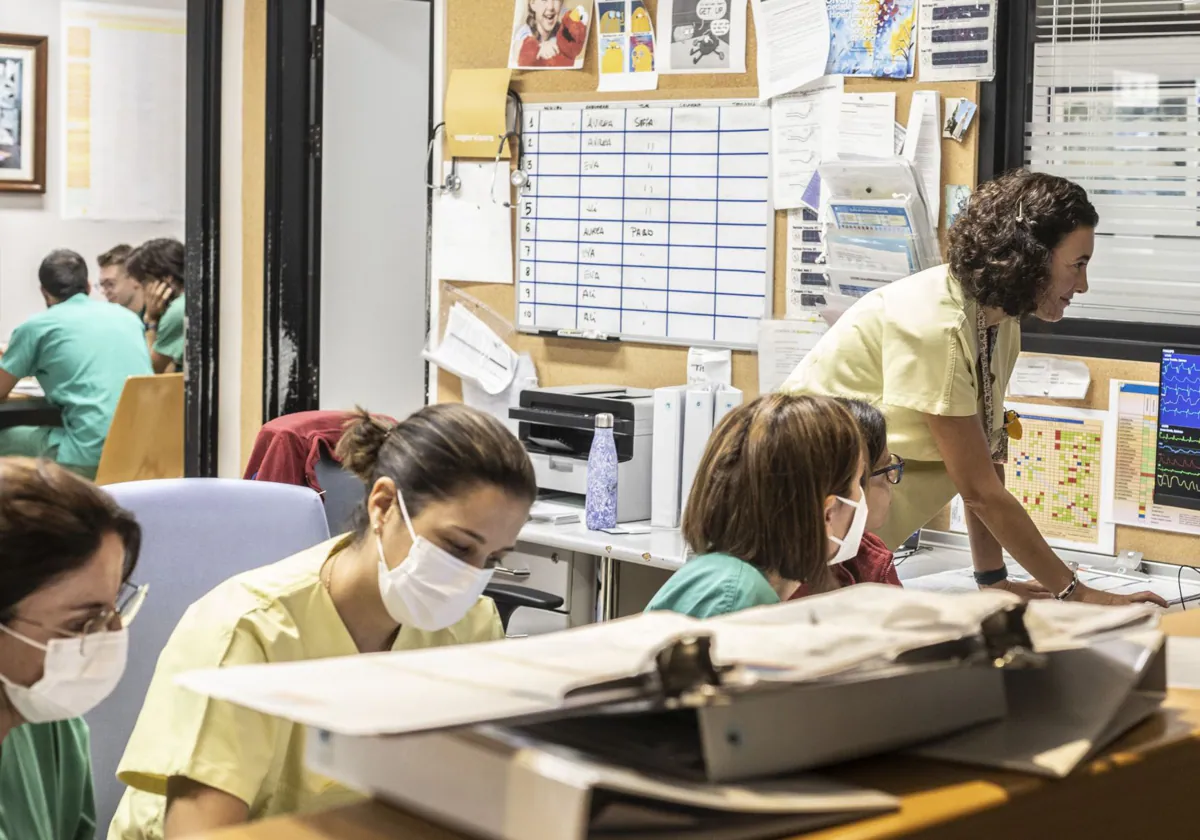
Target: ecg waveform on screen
1179, 403
1178, 463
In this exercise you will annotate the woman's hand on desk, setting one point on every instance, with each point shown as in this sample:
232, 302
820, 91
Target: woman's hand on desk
1087, 595
1026, 590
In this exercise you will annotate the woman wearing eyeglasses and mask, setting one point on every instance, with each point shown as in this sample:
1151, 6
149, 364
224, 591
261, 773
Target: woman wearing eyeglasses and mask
66, 552
449, 489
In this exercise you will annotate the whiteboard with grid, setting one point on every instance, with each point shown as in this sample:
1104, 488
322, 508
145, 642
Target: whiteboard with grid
648, 221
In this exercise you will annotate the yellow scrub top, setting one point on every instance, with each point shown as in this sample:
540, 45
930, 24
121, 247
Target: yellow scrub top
911, 349
278, 613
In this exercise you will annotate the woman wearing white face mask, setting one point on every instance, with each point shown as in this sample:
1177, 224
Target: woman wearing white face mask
449, 489
778, 499
66, 552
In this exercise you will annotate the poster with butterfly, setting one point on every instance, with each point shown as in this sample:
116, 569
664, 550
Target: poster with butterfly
872, 38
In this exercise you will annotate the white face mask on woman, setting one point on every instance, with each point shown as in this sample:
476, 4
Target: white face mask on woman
848, 545
78, 674
432, 588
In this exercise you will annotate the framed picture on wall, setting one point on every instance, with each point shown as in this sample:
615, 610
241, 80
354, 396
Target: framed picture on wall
23, 113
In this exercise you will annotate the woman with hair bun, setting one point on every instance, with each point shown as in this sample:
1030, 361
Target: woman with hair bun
448, 490
935, 351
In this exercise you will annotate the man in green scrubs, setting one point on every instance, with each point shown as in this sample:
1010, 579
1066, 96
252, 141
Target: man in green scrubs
116, 284
81, 351
158, 266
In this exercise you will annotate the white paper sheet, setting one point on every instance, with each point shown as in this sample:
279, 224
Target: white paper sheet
1049, 377
869, 253
121, 142
807, 283
782, 345
866, 126
793, 43
709, 366
497, 405
1131, 460
923, 146
901, 134
701, 36
957, 41
472, 233
1075, 508
470, 349
800, 122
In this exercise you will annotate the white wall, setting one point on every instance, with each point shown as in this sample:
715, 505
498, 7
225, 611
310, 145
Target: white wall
229, 353
373, 205
30, 225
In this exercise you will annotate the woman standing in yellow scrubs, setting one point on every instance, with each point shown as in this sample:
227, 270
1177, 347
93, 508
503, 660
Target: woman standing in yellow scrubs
935, 352
449, 489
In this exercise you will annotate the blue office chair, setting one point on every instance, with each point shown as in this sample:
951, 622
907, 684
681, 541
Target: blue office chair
343, 492
197, 532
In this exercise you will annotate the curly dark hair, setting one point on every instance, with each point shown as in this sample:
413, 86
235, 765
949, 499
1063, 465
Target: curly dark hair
158, 259
1002, 261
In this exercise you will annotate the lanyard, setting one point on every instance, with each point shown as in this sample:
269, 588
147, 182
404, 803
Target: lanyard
985, 337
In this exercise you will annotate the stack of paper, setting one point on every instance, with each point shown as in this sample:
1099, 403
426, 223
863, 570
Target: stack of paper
555, 513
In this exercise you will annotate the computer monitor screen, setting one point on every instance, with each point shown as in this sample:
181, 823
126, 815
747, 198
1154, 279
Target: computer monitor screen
1177, 457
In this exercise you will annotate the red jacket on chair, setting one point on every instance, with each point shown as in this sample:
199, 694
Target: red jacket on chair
287, 448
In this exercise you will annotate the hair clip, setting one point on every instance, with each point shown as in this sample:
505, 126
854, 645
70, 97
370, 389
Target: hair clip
1021, 211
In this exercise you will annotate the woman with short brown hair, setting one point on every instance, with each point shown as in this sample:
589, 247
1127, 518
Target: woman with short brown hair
778, 498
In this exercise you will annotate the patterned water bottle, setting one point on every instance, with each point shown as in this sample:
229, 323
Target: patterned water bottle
601, 505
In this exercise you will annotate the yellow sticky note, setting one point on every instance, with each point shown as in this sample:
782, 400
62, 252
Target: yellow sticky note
476, 102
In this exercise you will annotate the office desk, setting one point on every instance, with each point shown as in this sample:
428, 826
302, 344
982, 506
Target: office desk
19, 410
1140, 788
662, 548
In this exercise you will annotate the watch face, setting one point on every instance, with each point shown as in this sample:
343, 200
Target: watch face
518, 178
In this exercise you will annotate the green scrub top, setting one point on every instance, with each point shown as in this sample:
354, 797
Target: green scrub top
169, 340
81, 351
46, 783
714, 584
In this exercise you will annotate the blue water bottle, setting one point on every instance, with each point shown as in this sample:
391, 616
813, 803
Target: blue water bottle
601, 505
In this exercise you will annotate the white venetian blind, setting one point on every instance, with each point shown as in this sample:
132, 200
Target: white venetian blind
1115, 89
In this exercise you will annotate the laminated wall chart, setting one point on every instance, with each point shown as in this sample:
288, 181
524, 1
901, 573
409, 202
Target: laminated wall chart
647, 221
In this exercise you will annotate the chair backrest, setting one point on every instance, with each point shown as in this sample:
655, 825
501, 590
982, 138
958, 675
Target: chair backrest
343, 492
145, 439
197, 532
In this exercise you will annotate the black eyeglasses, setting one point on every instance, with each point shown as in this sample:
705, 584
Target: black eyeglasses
894, 471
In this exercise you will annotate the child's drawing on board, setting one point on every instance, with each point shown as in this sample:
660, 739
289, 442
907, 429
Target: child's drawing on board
547, 35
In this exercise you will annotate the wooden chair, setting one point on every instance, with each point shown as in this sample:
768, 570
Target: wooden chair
146, 437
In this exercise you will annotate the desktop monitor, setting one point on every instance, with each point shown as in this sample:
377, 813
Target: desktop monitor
1177, 455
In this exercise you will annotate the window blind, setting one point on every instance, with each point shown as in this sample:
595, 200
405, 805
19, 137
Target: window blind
1114, 106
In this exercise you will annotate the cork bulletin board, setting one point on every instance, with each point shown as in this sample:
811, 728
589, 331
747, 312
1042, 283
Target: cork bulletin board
478, 35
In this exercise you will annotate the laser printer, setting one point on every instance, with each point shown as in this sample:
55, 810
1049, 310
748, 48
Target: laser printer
556, 426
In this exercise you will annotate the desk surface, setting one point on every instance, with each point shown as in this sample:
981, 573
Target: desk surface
663, 548
1139, 788
22, 410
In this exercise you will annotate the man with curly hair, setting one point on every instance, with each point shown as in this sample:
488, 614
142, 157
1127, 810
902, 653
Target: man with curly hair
935, 352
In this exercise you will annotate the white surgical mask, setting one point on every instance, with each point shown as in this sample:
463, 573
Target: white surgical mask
848, 545
79, 673
432, 588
